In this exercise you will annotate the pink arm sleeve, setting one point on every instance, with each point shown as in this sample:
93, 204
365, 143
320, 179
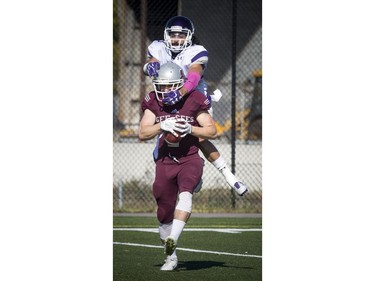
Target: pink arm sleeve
192, 81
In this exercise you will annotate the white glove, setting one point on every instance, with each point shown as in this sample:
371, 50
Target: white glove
183, 127
169, 126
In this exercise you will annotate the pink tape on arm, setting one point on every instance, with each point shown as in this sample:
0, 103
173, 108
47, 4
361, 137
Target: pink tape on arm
192, 81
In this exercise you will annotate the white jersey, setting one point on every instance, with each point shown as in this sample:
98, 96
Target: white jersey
192, 54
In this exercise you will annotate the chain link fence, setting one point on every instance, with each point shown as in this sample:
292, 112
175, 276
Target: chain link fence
231, 31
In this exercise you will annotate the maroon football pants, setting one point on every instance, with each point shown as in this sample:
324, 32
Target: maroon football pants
172, 178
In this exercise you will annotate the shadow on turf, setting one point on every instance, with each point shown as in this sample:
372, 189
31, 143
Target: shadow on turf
198, 265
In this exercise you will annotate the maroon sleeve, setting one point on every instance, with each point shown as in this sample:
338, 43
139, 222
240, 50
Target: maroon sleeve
148, 102
202, 101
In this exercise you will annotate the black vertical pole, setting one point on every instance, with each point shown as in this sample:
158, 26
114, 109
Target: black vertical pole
233, 131
143, 51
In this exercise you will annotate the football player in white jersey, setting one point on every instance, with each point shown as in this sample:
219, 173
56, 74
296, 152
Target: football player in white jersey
178, 47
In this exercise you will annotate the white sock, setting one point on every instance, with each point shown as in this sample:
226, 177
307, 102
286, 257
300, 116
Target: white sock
177, 228
229, 177
219, 163
165, 230
173, 256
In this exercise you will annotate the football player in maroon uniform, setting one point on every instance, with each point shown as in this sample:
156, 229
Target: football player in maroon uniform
179, 167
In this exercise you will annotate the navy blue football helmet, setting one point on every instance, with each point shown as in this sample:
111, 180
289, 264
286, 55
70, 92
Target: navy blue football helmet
178, 33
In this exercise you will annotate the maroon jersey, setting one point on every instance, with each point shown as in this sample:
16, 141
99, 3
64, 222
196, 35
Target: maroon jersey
187, 109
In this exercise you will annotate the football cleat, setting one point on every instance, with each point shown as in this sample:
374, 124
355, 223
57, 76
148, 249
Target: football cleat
170, 245
233, 182
170, 264
240, 188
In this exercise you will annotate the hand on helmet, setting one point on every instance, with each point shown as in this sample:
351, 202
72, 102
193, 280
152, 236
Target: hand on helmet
169, 126
173, 98
152, 69
183, 127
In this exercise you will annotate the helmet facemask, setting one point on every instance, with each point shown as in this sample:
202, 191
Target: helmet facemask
170, 38
162, 88
170, 78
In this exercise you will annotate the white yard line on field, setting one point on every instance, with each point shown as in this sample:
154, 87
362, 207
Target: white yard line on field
222, 230
188, 250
